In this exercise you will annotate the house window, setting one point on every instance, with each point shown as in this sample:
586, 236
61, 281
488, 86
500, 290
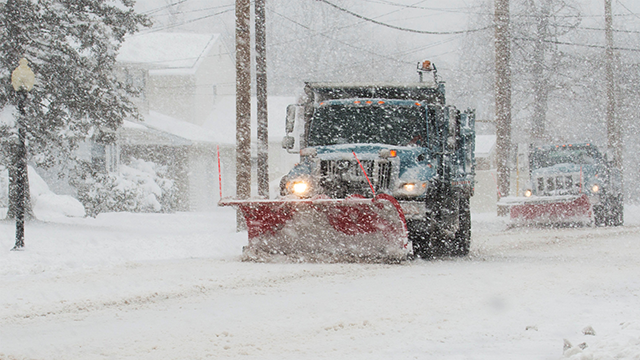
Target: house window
111, 158
98, 156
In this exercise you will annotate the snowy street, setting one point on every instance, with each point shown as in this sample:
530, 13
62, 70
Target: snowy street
171, 286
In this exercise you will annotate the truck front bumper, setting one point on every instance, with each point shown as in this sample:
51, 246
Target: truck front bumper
413, 210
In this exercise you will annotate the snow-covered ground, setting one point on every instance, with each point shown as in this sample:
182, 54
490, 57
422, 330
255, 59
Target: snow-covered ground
172, 286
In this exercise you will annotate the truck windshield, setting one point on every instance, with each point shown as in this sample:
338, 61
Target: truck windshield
347, 124
584, 156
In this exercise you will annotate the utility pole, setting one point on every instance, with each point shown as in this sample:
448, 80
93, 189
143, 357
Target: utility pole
614, 135
243, 102
540, 82
261, 94
503, 95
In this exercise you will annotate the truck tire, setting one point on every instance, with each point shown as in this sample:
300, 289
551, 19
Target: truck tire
611, 213
462, 240
615, 212
419, 236
599, 215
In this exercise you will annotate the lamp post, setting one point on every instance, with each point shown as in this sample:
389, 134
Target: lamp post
22, 79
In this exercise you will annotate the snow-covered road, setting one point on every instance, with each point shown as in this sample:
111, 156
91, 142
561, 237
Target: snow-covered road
158, 286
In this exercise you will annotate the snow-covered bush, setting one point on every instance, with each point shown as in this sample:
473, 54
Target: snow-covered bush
140, 186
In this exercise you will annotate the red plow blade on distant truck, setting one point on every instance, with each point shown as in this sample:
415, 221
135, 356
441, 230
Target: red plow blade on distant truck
324, 229
558, 209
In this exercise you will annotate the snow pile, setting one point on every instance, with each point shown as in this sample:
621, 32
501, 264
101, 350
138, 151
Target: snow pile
622, 343
46, 205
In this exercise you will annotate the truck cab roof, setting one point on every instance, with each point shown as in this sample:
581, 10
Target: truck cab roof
432, 93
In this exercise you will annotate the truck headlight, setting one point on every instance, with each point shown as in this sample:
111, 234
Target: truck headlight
299, 187
409, 187
412, 189
528, 193
595, 188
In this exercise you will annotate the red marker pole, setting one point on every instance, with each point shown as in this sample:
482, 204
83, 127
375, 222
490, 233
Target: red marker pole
365, 174
219, 171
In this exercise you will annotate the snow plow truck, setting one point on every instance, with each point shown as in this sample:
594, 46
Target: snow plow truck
569, 184
386, 171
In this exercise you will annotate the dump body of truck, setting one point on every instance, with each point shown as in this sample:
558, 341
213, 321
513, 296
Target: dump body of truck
390, 161
569, 183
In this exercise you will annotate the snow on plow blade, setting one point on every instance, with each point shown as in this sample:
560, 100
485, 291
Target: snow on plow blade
557, 209
323, 229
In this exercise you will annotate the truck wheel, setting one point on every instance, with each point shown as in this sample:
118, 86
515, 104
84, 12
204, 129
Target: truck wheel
611, 213
615, 212
599, 215
419, 236
462, 240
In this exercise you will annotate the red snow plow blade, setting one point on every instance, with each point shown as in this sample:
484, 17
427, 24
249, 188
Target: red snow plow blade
558, 209
323, 229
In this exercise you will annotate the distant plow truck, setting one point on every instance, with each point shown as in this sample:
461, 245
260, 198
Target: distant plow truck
569, 184
386, 172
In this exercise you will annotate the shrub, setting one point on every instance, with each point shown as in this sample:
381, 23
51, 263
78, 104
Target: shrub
140, 186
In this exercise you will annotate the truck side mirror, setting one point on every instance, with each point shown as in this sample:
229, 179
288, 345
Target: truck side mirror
291, 118
288, 142
608, 155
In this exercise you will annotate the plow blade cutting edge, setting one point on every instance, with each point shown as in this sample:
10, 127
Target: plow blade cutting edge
554, 210
325, 229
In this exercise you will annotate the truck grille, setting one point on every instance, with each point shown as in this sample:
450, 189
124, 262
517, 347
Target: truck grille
341, 178
565, 184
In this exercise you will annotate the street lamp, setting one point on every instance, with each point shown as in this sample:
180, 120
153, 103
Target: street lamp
22, 79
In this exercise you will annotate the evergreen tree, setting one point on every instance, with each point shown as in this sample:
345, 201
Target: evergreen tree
71, 46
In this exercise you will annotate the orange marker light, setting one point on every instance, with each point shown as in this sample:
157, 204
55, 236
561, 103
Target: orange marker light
380, 102
393, 153
369, 101
417, 104
356, 102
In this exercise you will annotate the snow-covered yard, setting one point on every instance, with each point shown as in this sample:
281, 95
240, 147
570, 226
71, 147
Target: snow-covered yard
171, 286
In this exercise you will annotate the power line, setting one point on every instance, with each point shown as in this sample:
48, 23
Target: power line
581, 45
153, 11
402, 28
597, 29
339, 41
629, 10
185, 22
458, 10
196, 10
449, 10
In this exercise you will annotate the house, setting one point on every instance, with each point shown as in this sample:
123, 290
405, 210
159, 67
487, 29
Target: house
188, 108
181, 74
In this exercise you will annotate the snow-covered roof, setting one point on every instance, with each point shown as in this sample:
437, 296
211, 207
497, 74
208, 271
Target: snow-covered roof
484, 144
219, 128
179, 128
159, 50
223, 118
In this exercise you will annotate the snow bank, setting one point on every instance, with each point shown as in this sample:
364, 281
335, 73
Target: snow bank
621, 343
46, 205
